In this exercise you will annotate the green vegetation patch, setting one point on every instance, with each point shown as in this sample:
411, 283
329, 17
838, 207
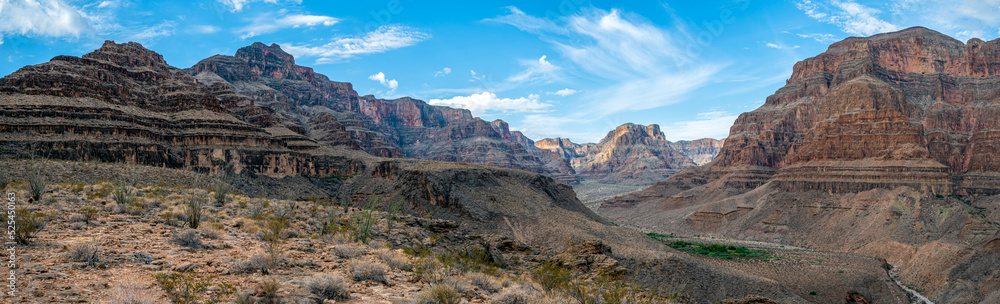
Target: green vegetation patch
716, 250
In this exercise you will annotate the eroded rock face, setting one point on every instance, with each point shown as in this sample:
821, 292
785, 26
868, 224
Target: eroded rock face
630, 154
701, 151
861, 148
123, 103
333, 114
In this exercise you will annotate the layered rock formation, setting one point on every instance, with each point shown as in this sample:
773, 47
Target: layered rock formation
701, 151
333, 114
631, 154
123, 102
862, 146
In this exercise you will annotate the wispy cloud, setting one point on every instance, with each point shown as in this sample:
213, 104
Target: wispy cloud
442, 72
486, 102
563, 92
649, 66
238, 5
205, 29
392, 84
852, 17
383, 39
779, 46
47, 18
819, 37
151, 34
535, 70
274, 21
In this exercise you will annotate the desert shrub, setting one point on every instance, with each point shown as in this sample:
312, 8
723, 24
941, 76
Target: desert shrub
209, 232
346, 251
439, 294
88, 253
192, 212
258, 209
28, 224
551, 276
130, 292
394, 259
268, 289
516, 296
124, 196
188, 288
37, 184
367, 271
273, 228
367, 220
4, 181
392, 211
328, 287
188, 238
253, 264
483, 281
219, 194
89, 213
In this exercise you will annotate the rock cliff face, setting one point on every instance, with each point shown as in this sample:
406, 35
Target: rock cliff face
123, 102
333, 114
701, 151
630, 154
860, 148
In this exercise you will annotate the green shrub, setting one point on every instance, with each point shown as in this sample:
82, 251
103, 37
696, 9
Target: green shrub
192, 212
552, 276
36, 184
28, 224
219, 194
89, 214
187, 288
367, 219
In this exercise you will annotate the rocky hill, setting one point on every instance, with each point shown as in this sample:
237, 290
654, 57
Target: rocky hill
701, 151
882, 145
631, 155
123, 102
332, 113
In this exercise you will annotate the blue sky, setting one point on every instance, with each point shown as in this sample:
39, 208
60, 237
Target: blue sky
566, 68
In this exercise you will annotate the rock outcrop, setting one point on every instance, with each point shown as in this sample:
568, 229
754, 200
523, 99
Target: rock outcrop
701, 151
631, 154
332, 113
863, 145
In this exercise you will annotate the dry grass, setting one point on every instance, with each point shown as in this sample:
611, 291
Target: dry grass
484, 281
129, 292
439, 294
348, 251
368, 271
328, 287
394, 259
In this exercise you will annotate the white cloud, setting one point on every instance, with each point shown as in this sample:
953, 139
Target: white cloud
851, 17
563, 92
442, 72
485, 102
383, 39
536, 69
48, 18
780, 47
707, 125
238, 5
272, 22
526, 23
649, 66
205, 29
389, 83
820, 37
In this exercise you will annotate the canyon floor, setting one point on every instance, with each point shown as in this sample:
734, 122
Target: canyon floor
255, 249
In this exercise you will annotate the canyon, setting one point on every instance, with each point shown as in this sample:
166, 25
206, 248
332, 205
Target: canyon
883, 145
